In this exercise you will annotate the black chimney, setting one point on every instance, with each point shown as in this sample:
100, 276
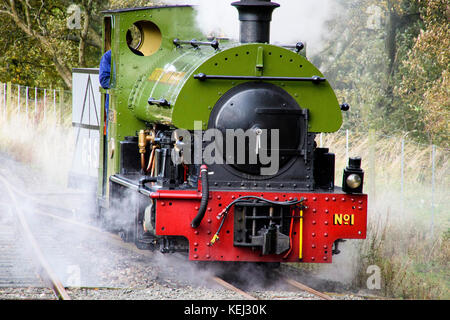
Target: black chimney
255, 17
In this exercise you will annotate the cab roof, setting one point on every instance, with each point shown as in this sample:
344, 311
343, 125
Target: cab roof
144, 8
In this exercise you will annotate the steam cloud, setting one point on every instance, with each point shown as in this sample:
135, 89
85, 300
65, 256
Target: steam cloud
294, 21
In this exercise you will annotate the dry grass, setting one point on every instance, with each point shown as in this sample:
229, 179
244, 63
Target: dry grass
46, 145
414, 261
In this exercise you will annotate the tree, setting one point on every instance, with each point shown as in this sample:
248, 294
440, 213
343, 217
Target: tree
423, 86
43, 25
395, 77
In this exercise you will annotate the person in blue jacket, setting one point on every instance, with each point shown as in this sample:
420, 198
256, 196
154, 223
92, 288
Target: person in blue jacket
104, 77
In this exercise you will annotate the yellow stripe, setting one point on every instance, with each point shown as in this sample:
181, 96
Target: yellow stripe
300, 249
169, 77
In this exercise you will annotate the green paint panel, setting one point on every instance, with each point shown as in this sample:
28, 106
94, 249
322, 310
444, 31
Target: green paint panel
197, 98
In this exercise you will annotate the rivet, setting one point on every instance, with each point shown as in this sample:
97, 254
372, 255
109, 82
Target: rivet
314, 199
209, 220
334, 199
233, 197
353, 200
208, 256
219, 197
325, 258
209, 209
196, 208
327, 199
163, 204
314, 222
195, 232
325, 247
208, 232
276, 198
360, 202
313, 246
326, 211
326, 223
343, 199
313, 234
313, 259
359, 208
195, 256
325, 234
290, 198
314, 210
195, 244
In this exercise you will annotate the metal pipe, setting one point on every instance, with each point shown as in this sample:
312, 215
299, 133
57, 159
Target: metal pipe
205, 194
175, 195
255, 17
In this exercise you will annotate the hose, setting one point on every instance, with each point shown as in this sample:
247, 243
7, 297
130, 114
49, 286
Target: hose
223, 215
205, 195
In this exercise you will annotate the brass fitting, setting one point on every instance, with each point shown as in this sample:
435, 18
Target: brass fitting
142, 141
145, 137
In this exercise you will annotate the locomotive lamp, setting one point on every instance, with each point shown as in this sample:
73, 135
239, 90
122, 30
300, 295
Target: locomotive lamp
353, 176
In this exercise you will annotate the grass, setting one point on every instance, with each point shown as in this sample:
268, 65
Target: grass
45, 145
413, 260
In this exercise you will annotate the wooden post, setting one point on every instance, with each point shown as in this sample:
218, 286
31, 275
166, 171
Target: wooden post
26, 101
372, 165
45, 101
54, 103
433, 186
2, 93
8, 96
61, 105
4, 100
35, 102
18, 98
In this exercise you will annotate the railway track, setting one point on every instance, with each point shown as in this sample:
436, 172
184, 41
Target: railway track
56, 285
16, 269
45, 271
226, 284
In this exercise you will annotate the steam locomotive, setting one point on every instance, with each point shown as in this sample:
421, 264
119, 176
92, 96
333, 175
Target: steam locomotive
210, 143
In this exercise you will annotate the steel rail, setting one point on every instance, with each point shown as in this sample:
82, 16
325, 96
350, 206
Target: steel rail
105, 234
229, 286
303, 287
223, 283
46, 271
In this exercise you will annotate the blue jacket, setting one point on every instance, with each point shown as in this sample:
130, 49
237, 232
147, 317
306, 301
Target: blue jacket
105, 70
104, 78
